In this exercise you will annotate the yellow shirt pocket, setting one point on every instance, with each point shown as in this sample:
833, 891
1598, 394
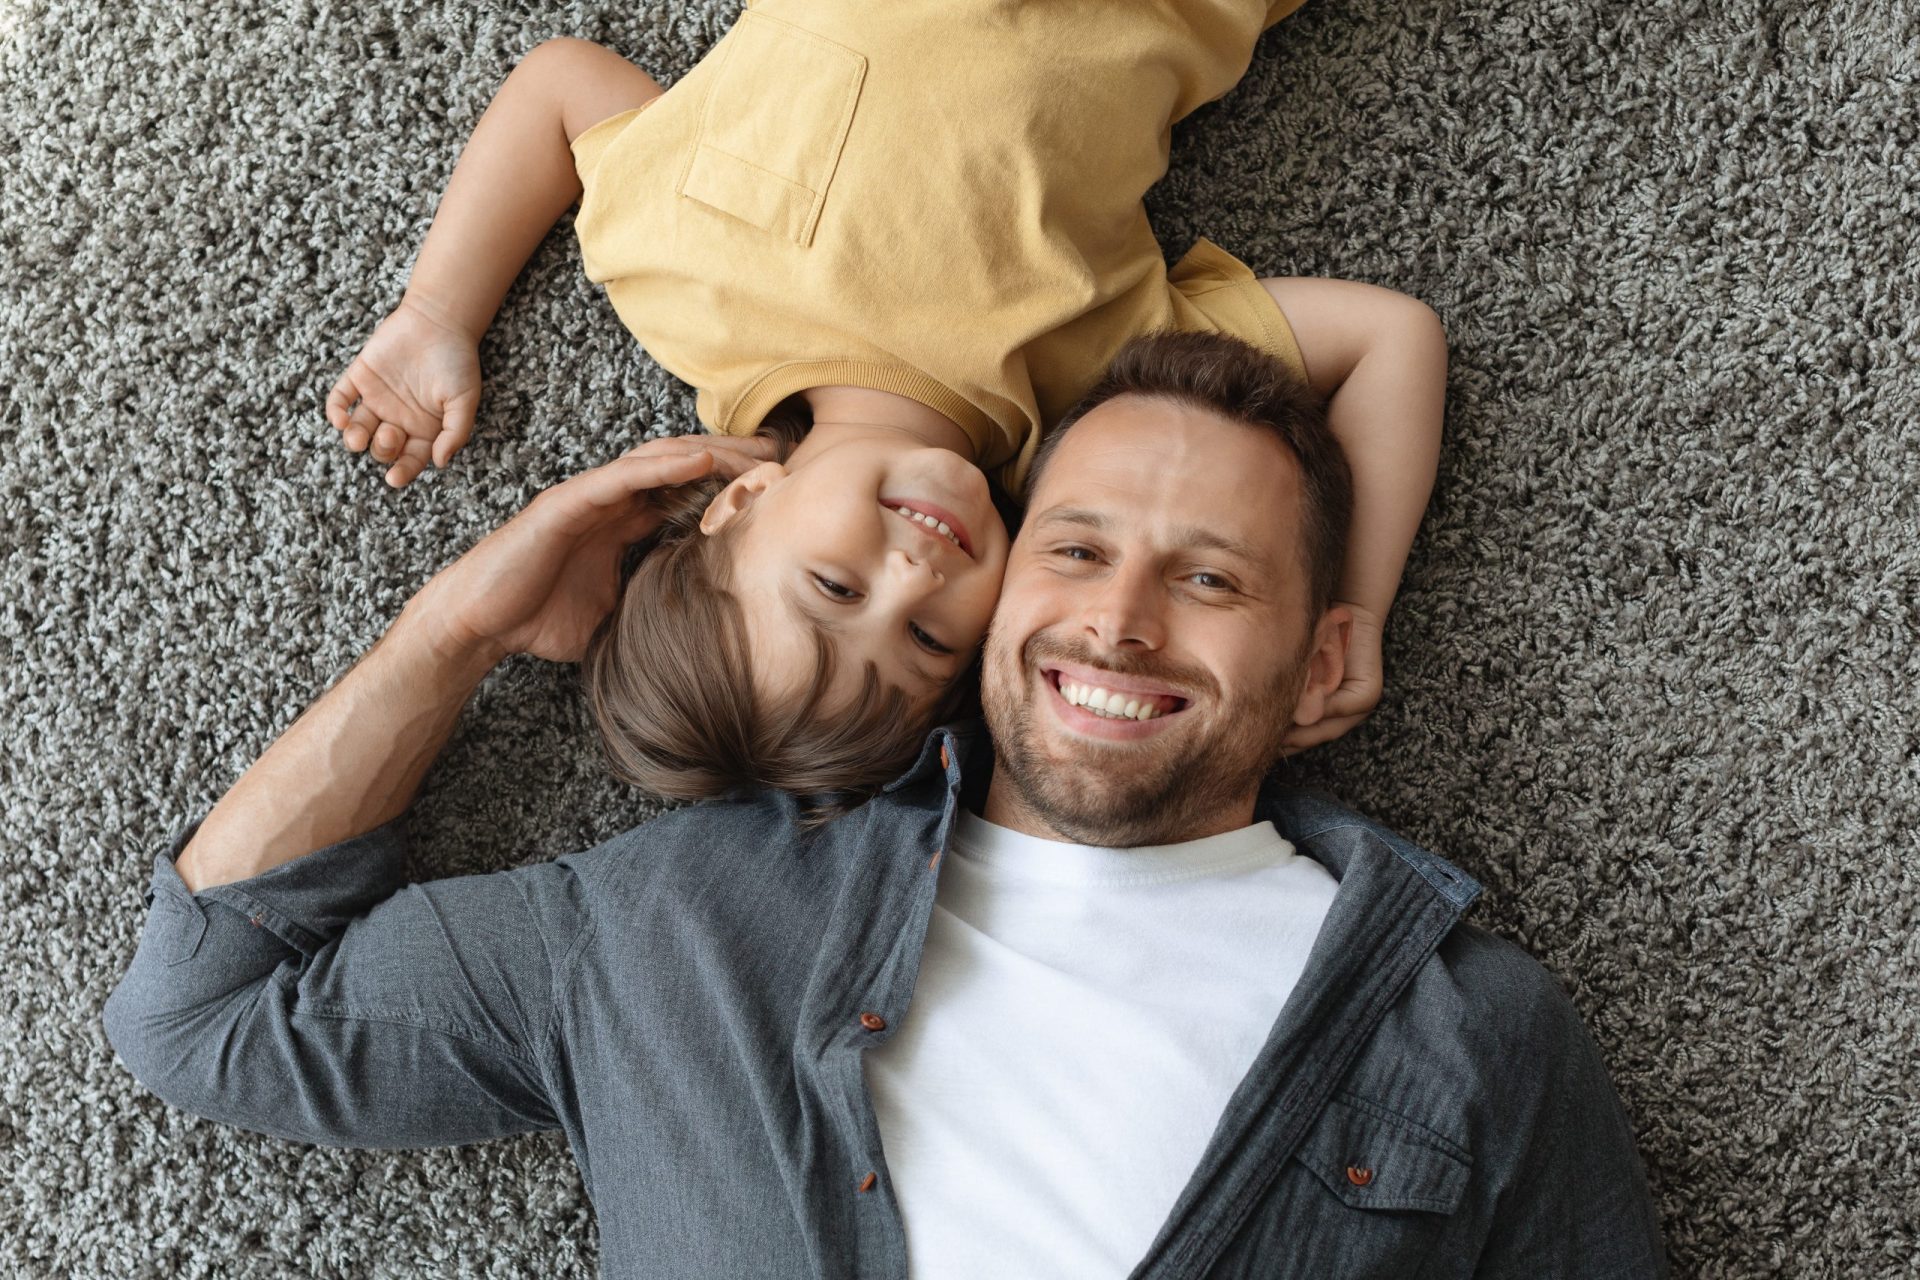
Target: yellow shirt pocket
775, 118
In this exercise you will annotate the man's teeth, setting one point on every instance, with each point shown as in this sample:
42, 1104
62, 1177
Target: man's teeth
1113, 706
938, 526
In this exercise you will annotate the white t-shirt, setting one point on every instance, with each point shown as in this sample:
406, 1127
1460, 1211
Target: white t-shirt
1080, 1019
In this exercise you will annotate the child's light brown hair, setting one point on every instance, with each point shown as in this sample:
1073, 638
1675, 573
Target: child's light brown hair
668, 678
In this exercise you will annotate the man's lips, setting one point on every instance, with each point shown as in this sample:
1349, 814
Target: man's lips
1088, 723
1165, 696
961, 533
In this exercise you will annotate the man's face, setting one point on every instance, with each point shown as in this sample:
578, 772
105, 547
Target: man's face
1160, 563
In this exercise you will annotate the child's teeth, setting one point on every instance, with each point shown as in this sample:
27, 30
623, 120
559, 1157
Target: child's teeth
938, 526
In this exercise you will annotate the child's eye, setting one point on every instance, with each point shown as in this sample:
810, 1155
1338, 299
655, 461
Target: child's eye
829, 587
926, 641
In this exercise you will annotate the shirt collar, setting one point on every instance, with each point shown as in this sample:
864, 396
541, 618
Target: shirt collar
961, 755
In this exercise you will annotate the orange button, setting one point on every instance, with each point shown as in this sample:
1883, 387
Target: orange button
943, 757
866, 1183
1359, 1177
934, 861
873, 1022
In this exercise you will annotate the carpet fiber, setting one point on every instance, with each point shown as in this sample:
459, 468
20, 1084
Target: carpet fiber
1650, 677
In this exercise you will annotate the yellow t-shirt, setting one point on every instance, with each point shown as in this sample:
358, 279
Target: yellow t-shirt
938, 198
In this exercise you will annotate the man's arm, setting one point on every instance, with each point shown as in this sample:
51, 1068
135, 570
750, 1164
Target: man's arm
287, 979
539, 584
353, 762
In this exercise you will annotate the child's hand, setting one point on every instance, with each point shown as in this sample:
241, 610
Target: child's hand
410, 396
1359, 691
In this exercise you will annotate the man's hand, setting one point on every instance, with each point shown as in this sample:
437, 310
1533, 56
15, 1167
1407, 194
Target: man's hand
410, 396
1359, 691
542, 582
538, 584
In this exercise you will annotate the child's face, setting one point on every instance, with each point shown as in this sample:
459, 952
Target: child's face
827, 548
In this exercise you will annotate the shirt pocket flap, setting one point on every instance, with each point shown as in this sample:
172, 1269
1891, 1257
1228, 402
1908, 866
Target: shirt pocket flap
1374, 1159
772, 127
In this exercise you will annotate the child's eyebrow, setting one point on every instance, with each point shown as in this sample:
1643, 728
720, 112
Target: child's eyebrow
836, 625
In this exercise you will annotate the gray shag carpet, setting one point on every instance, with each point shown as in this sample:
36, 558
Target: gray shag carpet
1650, 678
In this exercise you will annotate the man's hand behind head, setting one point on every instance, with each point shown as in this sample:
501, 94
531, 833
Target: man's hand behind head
542, 582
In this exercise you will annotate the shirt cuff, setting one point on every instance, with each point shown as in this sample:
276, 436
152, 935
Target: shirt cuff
306, 903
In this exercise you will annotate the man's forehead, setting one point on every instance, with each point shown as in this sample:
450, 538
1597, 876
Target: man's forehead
1138, 459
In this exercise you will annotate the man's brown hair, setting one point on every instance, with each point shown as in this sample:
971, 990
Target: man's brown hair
1243, 384
668, 677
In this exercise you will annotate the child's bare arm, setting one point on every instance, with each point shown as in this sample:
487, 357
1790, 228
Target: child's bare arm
1380, 358
411, 394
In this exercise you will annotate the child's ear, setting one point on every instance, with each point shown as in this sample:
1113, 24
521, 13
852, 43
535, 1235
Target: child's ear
1326, 664
739, 495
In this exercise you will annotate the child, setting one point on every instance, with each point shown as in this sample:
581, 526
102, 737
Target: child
892, 242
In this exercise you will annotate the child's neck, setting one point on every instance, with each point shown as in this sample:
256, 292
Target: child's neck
839, 411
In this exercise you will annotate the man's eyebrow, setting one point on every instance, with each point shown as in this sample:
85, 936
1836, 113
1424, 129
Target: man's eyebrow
1205, 539
1080, 516
1196, 537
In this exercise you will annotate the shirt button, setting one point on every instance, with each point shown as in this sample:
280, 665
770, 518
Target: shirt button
873, 1022
866, 1183
1359, 1177
943, 758
934, 861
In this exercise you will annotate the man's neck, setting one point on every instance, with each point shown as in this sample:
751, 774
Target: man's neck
1006, 807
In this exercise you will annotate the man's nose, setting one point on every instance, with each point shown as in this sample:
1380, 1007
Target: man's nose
1127, 610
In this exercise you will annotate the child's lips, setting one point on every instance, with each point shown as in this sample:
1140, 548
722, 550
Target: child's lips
961, 534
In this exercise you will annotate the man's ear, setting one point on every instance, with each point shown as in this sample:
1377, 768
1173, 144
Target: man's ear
1326, 664
739, 495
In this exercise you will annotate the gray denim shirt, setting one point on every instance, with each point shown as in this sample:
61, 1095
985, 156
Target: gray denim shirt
689, 1002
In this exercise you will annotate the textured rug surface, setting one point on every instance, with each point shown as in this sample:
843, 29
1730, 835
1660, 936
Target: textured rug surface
1650, 678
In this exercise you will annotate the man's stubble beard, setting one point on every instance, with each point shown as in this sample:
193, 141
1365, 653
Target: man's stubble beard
1126, 798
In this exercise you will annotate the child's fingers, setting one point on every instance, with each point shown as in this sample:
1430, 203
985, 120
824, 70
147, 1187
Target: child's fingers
456, 427
341, 399
388, 442
361, 424
407, 468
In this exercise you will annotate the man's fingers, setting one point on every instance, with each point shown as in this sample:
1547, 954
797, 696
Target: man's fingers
734, 454
616, 483
1355, 701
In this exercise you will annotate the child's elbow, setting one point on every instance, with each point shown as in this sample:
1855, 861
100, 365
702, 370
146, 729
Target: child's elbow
1420, 325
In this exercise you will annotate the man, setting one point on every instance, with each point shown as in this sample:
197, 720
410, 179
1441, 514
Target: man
1167, 1022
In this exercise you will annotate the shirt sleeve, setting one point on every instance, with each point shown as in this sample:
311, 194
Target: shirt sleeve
1578, 1204
328, 1001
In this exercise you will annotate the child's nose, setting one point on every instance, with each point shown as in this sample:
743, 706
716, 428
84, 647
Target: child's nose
914, 572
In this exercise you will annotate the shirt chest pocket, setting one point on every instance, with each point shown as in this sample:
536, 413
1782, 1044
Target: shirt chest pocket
1368, 1193
772, 126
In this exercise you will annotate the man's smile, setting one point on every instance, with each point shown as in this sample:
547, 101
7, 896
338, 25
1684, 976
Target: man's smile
1103, 704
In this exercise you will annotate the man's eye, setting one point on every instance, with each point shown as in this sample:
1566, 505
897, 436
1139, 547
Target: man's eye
926, 641
831, 588
1212, 581
1078, 553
